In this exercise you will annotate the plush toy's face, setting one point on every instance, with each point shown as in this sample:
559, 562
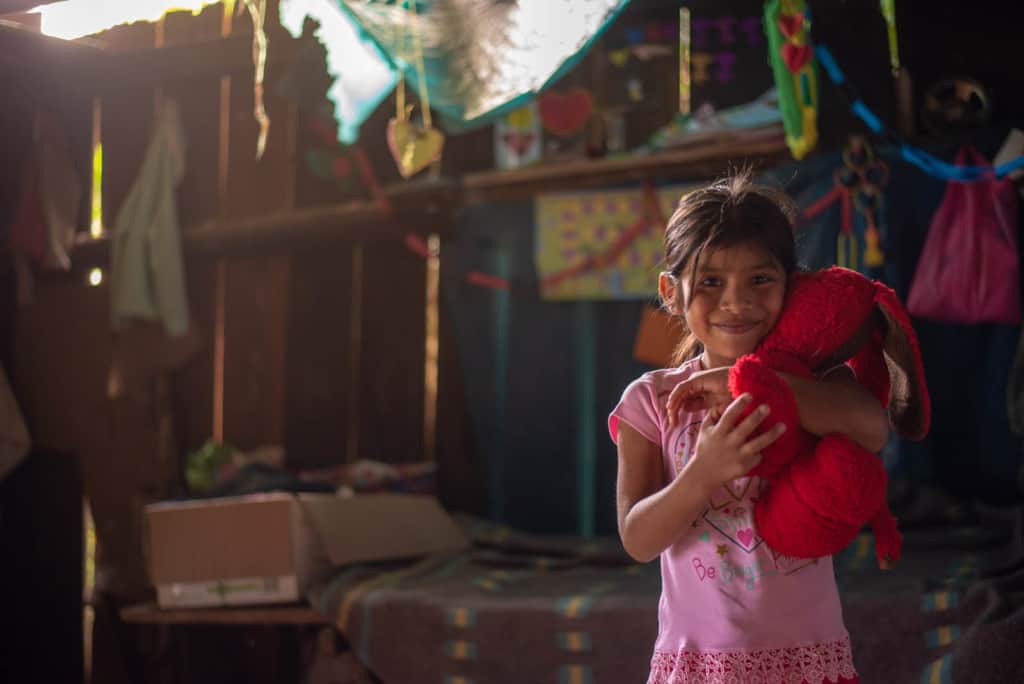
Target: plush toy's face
824, 310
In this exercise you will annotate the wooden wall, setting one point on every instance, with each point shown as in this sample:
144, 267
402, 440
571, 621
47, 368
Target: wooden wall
315, 345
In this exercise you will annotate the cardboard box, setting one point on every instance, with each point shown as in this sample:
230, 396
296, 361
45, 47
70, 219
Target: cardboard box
269, 548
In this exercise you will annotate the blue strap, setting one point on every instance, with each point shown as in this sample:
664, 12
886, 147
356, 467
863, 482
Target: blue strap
930, 164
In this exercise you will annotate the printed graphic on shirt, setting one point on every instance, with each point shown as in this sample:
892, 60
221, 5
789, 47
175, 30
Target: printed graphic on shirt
683, 446
787, 565
735, 521
731, 552
746, 572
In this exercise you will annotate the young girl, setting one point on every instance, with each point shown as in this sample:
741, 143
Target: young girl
731, 609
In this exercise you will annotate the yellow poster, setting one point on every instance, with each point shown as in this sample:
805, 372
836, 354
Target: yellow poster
602, 244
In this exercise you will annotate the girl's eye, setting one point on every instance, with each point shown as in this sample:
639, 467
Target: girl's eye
709, 282
762, 279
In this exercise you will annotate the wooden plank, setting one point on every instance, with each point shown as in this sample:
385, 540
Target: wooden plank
151, 614
127, 126
198, 98
393, 339
192, 384
698, 161
255, 316
429, 207
320, 346
255, 289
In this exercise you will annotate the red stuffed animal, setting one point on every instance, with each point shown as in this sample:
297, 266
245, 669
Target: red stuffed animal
823, 490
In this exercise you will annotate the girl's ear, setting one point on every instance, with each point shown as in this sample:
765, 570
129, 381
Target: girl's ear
671, 293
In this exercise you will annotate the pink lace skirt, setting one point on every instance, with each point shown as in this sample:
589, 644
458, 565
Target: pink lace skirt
822, 663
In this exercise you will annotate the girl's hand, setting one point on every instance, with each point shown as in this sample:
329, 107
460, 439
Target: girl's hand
723, 451
705, 389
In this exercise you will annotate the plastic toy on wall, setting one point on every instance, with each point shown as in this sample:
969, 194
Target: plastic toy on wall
792, 58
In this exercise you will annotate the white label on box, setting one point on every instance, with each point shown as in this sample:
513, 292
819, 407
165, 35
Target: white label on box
237, 591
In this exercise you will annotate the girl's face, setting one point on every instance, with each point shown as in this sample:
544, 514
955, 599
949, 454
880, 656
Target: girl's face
736, 298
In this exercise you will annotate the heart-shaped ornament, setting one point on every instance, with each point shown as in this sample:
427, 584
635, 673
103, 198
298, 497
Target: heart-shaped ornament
565, 114
413, 147
791, 25
796, 56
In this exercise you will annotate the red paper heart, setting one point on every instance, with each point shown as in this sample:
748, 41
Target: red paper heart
791, 25
796, 56
565, 114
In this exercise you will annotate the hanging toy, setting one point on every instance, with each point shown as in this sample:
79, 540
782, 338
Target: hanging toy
413, 147
796, 79
857, 186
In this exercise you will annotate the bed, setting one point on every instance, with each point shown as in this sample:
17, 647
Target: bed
524, 608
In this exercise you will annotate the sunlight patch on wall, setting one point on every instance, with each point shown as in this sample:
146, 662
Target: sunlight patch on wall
77, 18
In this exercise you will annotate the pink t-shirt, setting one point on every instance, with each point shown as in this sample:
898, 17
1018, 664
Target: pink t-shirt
731, 607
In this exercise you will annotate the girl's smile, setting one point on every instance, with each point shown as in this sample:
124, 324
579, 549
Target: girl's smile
733, 301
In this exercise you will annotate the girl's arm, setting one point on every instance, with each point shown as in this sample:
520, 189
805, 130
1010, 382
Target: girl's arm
652, 515
834, 403
838, 403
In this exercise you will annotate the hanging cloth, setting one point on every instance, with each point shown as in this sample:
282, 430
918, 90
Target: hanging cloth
969, 271
148, 273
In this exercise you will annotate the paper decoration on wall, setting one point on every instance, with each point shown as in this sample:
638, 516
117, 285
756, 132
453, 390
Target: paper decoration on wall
602, 244
483, 59
792, 58
517, 138
657, 337
565, 114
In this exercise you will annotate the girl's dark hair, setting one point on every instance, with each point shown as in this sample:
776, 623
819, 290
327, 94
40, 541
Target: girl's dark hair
731, 211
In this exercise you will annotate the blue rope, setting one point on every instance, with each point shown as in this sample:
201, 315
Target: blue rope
928, 163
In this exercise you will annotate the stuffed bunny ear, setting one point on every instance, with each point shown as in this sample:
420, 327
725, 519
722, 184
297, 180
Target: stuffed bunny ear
909, 403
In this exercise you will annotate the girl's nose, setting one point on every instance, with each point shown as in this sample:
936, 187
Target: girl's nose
736, 298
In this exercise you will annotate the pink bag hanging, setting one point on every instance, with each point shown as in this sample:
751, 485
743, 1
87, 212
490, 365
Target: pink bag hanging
969, 271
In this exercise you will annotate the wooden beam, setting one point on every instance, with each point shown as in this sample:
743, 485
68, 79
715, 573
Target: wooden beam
416, 207
132, 68
703, 160
89, 68
22, 45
